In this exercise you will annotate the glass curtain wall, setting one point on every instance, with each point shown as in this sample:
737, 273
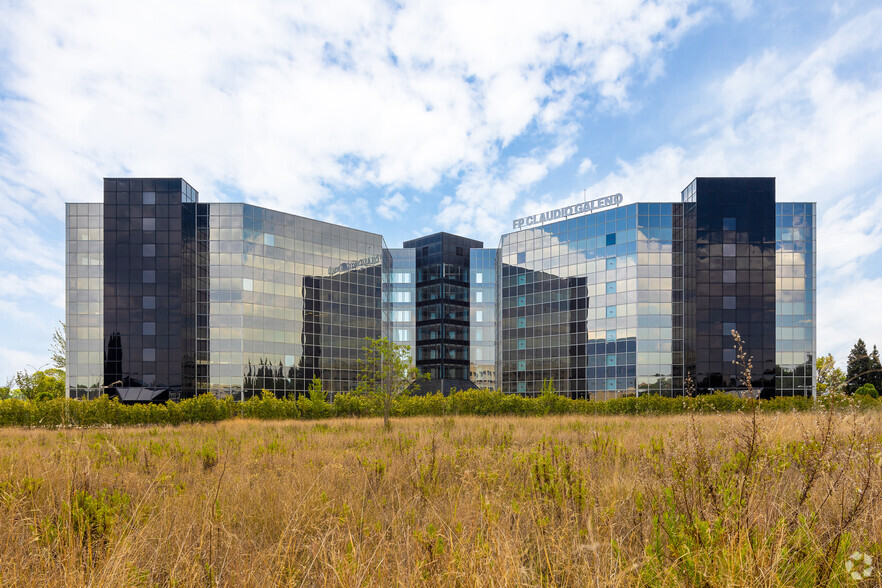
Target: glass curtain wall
401, 296
291, 299
148, 327
84, 299
795, 356
731, 281
483, 319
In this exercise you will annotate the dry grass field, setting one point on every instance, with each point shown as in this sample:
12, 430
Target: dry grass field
719, 500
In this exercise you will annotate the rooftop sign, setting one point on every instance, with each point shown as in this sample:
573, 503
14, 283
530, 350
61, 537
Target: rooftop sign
353, 265
567, 211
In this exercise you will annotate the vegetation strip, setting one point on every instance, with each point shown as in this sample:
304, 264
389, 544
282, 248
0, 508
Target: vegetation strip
103, 411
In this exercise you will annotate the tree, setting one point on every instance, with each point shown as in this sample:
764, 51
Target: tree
875, 376
58, 349
41, 385
385, 372
830, 377
7, 391
858, 367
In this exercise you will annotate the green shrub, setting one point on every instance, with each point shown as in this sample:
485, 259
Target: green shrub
206, 408
867, 390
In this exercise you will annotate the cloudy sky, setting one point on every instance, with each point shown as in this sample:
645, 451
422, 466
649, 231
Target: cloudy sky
406, 118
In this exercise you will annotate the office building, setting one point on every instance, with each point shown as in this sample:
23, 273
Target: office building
167, 295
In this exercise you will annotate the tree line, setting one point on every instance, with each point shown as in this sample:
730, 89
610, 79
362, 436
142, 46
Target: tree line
862, 375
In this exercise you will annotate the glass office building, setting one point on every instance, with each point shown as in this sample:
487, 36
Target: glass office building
442, 309
589, 303
175, 295
165, 293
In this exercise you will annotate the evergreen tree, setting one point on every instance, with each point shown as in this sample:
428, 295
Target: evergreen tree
875, 376
859, 366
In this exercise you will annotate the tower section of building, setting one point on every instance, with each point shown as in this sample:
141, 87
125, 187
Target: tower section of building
442, 309
149, 308
401, 288
84, 298
796, 304
484, 336
730, 282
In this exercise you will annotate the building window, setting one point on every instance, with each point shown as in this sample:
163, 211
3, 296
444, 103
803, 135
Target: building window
610, 287
728, 328
148, 328
479, 316
728, 276
610, 239
459, 251
269, 239
148, 354
728, 224
149, 250
522, 257
479, 278
401, 278
248, 284
402, 335
729, 355
479, 296
522, 322
522, 301
611, 335
728, 302
522, 343
610, 312
149, 198
522, 365
149, 277
400, 316
729, 249
611, 263
149, 224
611, 359
148, 302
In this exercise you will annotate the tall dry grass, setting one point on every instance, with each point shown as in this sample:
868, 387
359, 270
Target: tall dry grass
704, 500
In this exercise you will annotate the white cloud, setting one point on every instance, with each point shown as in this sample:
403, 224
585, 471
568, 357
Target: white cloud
585, 166
392, 206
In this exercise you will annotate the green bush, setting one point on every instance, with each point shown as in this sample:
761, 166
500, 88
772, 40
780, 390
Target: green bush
60, 412
867, 390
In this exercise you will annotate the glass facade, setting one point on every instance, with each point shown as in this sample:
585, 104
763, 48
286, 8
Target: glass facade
290, 299
442, 308
84, 298
796, 305
483, 318
149, 306
588, 302
401, 288
165, 292
730, 281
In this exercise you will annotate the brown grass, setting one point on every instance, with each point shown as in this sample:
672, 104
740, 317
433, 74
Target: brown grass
578, 501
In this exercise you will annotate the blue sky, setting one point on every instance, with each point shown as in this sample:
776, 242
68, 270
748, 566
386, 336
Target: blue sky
410, 118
